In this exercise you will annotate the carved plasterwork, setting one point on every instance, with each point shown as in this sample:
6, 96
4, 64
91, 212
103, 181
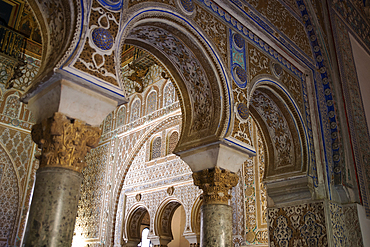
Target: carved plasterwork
90, 208
261, 64
300, 225
60, 24
356, 14
97, 56
255, 196
356, 118
345, 225
216, 30
286, 22
194, 76
281, 136
64, 142
215, 184
9, 198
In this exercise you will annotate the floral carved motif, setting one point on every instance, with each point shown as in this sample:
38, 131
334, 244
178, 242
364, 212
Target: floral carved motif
300, 225
64, 142
215, 184
278, 129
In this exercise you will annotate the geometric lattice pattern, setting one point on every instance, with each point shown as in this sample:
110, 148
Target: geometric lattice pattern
89, 209
9, 197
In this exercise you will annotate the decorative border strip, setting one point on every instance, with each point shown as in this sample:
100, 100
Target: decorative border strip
332, 119
354, 19
355, 111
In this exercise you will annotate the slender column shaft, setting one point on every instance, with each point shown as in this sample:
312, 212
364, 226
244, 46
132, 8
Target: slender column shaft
54, 207
64, 143
216, 214
216, 225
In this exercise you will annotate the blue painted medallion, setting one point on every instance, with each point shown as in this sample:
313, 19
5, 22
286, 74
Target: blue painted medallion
102, 38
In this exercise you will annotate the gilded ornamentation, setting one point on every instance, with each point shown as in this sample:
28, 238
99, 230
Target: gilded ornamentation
137, 76
215, 184
242, 124
64, 142
255, 203
259, 63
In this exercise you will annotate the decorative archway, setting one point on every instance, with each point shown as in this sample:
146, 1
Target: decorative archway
133, 224
197, 72
163, 220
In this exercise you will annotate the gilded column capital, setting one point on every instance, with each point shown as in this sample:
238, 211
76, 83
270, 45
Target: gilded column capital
215, 184
64, 142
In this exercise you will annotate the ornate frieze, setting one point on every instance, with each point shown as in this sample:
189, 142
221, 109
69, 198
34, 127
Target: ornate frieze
64, 142
215, 184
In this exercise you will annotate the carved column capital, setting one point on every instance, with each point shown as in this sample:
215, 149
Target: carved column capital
64, 142
215, 184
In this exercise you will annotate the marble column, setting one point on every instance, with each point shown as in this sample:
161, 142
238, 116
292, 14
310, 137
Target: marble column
64, 143
216, 214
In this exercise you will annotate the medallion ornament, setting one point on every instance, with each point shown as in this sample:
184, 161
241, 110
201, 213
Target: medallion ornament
64, 142
215, 183
102, 38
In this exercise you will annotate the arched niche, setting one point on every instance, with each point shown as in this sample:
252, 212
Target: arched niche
163, 220
132, 232
194, 68
284, 133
